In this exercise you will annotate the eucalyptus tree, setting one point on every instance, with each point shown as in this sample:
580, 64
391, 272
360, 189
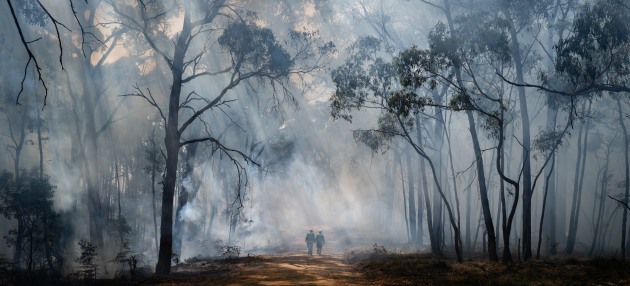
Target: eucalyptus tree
249, 54
368, 81
592, 60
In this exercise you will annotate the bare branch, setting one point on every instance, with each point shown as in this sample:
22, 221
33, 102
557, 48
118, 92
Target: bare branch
221, 147
150, 99
592, 87
206, 73
31, 56
625, 204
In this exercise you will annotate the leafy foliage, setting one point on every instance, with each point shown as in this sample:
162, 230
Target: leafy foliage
29, 200
365, 78
119, 229
87, 260
548, 140
127, 257
255, 49
598, 51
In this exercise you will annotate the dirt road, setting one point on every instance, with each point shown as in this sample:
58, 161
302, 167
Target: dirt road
285, 269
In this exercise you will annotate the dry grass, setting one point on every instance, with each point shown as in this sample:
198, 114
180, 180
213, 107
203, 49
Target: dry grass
424, 269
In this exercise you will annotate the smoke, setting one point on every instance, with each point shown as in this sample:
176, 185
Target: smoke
310, 173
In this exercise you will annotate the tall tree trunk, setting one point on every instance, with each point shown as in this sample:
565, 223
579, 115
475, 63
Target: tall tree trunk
468, 242
456, 232
404, 195
153, 175
454, 175
483, 191
172, 144
500, 165
550, 190
435, 249
40, 144
480, 169
575, 206
602, 200
542, 215
627, 180
411, 194
420, 211
527, 173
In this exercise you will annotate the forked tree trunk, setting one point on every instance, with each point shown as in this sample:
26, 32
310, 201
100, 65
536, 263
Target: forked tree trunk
172, 144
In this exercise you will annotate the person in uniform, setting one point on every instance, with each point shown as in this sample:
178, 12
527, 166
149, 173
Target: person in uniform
310, 239
319, 239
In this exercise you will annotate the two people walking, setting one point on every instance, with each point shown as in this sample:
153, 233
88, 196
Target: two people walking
318, 240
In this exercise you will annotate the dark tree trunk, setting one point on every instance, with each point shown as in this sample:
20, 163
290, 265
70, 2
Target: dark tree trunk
527, 173
404, 196
172, 144
483, 191
550, 189
577, 190
435, 248
627, 180
468, 244
411, 194
602, 201
40, 144
542, 215
420, 211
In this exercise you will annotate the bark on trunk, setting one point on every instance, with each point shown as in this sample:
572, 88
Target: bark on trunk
575, 206
483, 191
527, 173
411, 194
602, 200
627, 179
172, 144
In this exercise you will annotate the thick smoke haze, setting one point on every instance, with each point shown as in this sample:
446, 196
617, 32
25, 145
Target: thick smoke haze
275, 155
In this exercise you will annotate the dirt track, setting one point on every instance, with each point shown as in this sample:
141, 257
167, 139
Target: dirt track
286, 269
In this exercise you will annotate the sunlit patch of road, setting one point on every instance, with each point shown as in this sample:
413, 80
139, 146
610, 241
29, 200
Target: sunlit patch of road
276, 269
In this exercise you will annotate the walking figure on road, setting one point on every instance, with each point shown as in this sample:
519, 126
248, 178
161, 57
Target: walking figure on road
310, 239
319, 239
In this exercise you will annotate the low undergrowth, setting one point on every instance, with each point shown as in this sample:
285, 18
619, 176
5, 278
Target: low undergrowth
399, 268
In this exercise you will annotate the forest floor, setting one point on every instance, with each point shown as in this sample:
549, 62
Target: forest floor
375, 266
284, 269
381, 268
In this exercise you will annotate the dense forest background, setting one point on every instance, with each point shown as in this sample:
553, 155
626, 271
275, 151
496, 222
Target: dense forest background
147, 132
